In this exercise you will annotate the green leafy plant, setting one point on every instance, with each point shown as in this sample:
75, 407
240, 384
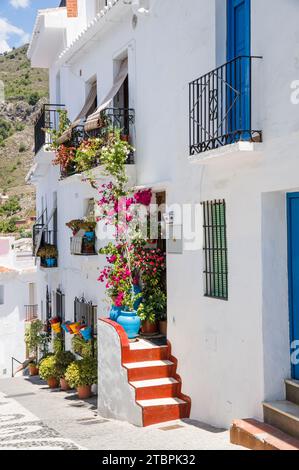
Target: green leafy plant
88, 154
48, 368
83, 372
33, 338
154, 306
63, 360
83, 348
58, 343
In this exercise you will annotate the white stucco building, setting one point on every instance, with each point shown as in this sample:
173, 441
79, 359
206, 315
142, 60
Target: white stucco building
228, 140
18, 302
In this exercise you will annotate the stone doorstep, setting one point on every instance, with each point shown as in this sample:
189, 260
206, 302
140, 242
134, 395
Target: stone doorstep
256, 435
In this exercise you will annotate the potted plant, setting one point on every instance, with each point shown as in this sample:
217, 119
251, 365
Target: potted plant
48, 371
152, 310
128, 317
82, 375
63, 360
49, 254
33, 369
33, 338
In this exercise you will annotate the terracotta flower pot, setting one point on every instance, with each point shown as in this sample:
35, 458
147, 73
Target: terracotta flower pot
33, 370
163, 327
64, 385
149, 328
84, 392
52, 382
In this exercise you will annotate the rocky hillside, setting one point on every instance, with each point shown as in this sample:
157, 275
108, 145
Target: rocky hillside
25, 90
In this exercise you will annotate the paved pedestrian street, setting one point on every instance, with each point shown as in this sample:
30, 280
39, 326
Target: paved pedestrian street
34, 417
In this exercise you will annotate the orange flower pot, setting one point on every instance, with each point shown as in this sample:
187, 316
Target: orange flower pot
75, 327
52, 382
64, 385
56, 327
84, 392
33, 370
148, 328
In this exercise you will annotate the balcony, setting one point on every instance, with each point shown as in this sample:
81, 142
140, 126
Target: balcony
31, 312
111, 118
48, 119
45, 246
220, 105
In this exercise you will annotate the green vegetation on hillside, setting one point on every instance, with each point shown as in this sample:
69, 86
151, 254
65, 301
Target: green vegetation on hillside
21, 82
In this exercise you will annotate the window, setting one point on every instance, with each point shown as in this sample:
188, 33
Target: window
215, 249
1, 295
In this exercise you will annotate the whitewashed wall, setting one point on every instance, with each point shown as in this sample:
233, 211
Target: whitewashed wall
232, 355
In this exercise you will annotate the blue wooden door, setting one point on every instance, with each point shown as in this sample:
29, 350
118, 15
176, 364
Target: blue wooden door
238, 71
293, 268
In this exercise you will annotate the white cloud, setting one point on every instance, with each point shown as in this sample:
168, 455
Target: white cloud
6, 30
20, 3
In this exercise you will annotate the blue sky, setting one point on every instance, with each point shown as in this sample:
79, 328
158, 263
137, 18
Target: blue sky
17, 19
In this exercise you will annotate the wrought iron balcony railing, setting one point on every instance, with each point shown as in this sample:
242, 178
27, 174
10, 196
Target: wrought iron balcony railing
220, 104
31, 312
48, 119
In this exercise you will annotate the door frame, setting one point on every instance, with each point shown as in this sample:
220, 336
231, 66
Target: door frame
290, 196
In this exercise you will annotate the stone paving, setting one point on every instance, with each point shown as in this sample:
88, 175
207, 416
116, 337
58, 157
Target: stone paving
34, 417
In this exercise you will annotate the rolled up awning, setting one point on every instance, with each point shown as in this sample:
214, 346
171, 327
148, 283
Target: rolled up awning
91, 97
93, 121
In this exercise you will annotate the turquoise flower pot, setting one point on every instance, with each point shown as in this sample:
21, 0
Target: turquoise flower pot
50, 262
130, 322
115, 312
86, 333
89, 236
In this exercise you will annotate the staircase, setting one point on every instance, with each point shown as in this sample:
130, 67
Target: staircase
280, 430
284, 415
152, 373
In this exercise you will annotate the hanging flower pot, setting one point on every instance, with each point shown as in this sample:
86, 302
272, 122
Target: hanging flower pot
66, 327
54, 320
86, 333
75, 327
56, 327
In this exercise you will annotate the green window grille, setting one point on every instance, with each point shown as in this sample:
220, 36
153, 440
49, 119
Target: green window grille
215, 249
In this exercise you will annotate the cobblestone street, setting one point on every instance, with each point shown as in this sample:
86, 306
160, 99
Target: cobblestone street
34, 417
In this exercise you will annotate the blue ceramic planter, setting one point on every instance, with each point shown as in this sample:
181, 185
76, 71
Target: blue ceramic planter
89, 235
86, 333
115, 312
50, 262
130, 322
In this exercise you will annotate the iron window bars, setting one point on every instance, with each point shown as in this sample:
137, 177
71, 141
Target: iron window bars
31, 312
215, 249
220, 107
48, 310
86, 313
60, 311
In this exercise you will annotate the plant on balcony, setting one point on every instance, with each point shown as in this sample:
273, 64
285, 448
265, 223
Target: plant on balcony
64, 124
48, 253
82, 375
48, 371
88, 154
63, 360
81, 224
65, 158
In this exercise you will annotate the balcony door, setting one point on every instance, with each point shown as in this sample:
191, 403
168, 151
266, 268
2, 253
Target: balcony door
238, 71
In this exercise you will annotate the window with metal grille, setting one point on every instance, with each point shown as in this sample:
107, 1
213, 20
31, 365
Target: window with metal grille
215, 249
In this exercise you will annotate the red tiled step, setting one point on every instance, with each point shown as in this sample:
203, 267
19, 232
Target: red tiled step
156, 388
149, 370
162, 410
141, 354
255, 435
